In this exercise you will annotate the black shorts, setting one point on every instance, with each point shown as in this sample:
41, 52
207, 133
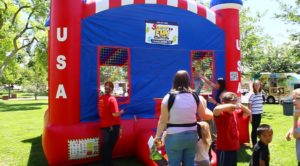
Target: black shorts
227, 158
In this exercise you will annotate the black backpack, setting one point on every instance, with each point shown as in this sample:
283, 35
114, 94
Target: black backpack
171, 101
172, 96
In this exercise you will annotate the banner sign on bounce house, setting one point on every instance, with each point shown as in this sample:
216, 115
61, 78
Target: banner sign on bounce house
164, 33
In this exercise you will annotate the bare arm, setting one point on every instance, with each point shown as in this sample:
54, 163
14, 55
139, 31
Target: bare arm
289, 134
207, 81
116, 114
204, 113
162, 122
250, 108
245, 109
224, 108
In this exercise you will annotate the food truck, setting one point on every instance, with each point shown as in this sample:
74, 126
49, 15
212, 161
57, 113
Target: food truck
279, 86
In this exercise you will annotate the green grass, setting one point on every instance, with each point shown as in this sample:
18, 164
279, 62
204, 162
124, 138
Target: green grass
282, 152
21, 125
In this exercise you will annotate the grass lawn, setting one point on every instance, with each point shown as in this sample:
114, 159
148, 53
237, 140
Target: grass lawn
21, 124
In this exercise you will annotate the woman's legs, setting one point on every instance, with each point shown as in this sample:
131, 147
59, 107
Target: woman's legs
256, 118
181, 147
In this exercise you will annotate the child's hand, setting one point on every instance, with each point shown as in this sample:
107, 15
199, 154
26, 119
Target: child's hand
288, 136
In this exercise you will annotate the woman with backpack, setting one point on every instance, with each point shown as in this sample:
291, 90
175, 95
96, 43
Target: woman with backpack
178, 116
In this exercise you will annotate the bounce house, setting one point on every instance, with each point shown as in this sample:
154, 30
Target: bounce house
144, 42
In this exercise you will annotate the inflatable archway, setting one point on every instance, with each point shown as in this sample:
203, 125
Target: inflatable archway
153, 39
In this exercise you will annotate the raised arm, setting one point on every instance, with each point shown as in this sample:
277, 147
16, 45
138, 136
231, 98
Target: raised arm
207, 81
224, 107
245, 109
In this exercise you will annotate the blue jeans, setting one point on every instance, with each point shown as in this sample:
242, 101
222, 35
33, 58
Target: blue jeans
110, 138
181, 148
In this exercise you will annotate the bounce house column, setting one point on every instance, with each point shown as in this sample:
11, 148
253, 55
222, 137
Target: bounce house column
64, 62
229, 12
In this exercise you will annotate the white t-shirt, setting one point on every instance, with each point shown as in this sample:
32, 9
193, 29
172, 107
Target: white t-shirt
202, 151
183, 111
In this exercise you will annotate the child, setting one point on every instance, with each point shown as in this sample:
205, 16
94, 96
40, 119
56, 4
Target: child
261, 153
225, 116
256, 107
202, 153
295, 130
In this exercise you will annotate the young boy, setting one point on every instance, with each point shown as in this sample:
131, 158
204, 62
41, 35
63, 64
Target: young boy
261, 153
295, 130
225, 116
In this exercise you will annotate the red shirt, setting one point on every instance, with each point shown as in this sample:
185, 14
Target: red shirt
107, 106
227, 131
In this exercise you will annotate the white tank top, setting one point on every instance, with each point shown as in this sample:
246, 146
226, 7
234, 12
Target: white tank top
183, 111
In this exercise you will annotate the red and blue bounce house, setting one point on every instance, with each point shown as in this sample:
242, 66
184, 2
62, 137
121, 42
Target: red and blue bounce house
152, 39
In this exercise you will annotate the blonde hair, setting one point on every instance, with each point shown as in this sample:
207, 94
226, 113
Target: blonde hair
228, 97
296, 93
205, 133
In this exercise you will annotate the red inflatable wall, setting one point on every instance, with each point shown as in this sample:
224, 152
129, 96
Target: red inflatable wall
230, 24
68, 141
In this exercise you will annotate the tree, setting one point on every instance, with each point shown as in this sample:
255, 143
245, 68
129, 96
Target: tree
291, 14
253, 42
12, 76
35, 71
259, 54
20, 22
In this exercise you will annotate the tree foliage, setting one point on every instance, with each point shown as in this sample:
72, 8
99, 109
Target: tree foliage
259, 54
291, 14
20, 23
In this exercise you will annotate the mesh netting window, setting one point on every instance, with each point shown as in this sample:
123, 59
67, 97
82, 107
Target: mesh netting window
114, 68
202, 62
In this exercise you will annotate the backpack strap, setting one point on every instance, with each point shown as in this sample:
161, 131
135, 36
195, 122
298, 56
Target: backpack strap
172, 96
196, 97
171, 100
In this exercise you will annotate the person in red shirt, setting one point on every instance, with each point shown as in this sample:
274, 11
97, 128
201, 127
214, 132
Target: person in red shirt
109, 123
225, 116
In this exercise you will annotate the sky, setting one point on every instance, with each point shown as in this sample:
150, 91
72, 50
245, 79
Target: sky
272, 26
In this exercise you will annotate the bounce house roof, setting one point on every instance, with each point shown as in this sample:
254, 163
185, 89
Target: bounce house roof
92, 7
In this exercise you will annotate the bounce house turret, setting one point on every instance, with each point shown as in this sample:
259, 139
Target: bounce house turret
228, 10
64, 63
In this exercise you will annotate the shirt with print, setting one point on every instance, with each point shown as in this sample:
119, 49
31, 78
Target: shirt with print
256, 102
260, 152
106, 107
227, 131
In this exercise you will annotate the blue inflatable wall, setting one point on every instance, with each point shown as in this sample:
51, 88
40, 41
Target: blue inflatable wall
152, 66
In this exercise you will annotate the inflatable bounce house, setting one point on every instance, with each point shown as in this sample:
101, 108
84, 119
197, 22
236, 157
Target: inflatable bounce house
139, 45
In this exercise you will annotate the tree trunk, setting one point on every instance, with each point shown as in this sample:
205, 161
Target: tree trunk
35, 95
6, 61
